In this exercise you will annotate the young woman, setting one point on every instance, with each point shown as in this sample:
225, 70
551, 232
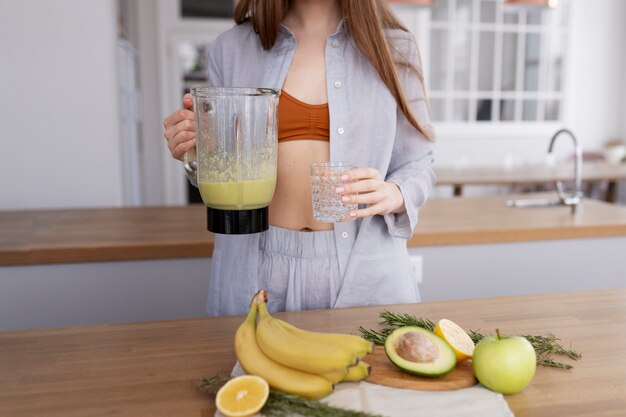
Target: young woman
352, 90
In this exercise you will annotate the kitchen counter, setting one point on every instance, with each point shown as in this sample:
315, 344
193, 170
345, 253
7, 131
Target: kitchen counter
122, 234
531, 174
148, 368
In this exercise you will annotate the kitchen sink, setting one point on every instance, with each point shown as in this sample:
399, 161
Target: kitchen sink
534, 203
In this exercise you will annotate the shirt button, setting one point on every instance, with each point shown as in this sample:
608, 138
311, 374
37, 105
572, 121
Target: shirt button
335, 44
344, 235
337, 84
340, 130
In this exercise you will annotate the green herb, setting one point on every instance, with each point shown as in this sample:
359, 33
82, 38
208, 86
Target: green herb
545, 346
280, 404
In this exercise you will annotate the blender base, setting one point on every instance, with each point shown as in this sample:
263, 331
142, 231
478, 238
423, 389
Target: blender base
237, 222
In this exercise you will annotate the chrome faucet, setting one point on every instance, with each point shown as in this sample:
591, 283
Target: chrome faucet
576, 198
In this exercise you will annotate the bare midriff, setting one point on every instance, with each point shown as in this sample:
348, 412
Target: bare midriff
291, 207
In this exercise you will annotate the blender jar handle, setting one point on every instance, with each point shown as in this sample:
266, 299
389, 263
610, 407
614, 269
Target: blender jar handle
189, 158
190, 163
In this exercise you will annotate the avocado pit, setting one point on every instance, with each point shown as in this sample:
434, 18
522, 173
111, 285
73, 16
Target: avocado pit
416, 347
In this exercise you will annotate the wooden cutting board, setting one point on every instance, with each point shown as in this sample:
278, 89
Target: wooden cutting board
384, 372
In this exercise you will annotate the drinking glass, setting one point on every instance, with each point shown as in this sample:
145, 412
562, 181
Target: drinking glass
327, 204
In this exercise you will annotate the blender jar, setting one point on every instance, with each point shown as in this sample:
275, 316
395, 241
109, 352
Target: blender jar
235, 162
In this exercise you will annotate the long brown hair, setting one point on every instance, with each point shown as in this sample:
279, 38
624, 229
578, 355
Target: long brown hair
366, 20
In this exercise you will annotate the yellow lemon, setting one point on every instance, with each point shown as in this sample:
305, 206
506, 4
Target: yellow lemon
456, 337
242, 396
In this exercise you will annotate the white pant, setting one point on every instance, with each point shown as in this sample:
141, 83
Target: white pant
299, 270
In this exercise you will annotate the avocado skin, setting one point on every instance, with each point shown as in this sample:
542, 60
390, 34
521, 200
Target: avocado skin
447, 357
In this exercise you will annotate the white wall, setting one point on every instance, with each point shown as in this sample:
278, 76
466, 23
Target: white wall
102, 292
519, 268
140, 17
596, 106
59, 126
623, 108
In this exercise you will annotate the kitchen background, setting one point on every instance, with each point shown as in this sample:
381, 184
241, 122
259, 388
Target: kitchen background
84, 87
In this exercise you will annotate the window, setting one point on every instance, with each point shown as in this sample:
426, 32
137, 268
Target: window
494, 63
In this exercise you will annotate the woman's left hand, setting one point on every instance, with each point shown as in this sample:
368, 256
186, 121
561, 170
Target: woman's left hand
367, 186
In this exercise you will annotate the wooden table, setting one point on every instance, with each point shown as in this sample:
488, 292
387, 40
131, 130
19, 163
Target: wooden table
147, 369
532, 174
118, 234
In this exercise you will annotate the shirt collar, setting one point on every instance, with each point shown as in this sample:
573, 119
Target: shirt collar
341, 28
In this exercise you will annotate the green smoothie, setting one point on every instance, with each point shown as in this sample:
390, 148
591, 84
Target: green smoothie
242, 195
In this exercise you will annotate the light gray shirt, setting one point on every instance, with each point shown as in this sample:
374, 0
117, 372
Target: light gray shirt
366, 128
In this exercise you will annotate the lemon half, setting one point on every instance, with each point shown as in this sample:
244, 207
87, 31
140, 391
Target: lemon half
458, 339
242, 396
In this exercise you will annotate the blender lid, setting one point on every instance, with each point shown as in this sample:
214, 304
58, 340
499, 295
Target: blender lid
234, 91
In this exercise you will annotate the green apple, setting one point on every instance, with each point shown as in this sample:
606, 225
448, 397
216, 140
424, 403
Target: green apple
505, 364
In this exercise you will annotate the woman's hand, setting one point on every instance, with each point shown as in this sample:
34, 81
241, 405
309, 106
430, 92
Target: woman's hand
368, 187
180, 129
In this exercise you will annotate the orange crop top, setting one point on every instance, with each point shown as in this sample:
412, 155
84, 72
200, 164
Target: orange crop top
298, 120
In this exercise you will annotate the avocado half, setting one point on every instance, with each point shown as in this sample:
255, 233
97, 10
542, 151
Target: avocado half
420, 352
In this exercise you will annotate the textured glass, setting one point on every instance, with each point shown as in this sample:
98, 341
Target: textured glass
438, 109
463, 11
440, 10
483, 110
507, 110
509, 61
510, 17
485, 61
438, 59
534, 16
462, 61
327, 204
461, 110
488, 11
531, 64
557, 47
529, 110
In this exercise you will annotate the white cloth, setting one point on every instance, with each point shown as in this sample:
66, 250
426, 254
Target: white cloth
476, 401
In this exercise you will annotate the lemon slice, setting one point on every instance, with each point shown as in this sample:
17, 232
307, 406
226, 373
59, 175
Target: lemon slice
242, 396
456, 337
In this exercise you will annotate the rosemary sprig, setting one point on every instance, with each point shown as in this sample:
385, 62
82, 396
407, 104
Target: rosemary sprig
280, 404
545, 361
376, 337
545, 345
395, 320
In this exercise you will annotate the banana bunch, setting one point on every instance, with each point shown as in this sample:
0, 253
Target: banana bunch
294, 360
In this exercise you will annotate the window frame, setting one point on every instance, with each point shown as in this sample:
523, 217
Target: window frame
421, 23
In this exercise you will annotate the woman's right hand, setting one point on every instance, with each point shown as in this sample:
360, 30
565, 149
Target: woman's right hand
180, 129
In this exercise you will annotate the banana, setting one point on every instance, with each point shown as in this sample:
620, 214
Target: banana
312, 356
354, 343
358, 372
335, 376
279, 377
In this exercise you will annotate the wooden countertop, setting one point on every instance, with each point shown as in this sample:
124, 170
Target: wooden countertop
147, 369
476, 220
116, 234
111, 234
